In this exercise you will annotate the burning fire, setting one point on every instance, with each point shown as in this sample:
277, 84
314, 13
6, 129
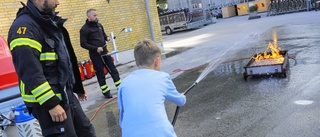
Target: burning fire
274, 55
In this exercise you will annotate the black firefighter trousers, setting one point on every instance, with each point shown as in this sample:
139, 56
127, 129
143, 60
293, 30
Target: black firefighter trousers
77, 123
99, 65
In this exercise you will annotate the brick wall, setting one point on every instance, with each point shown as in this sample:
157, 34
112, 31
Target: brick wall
115, 16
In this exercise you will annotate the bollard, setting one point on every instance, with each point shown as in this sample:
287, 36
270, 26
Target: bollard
308, 3
317, 5
26, 124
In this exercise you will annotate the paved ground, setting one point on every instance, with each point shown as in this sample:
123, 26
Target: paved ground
223, 104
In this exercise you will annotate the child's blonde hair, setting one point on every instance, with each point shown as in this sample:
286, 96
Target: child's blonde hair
145, 52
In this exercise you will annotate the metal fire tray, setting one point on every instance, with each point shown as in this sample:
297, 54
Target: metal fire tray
268, 68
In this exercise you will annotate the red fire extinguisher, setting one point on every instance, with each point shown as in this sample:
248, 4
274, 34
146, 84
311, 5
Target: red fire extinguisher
105, 71
84, 69
81, 71
92, 68
88, 69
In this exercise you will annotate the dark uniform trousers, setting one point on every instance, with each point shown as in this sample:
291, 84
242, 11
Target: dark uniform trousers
77, 123
99, 66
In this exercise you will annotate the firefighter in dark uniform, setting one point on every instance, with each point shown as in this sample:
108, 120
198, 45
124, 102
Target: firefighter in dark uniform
47, 70
93, 38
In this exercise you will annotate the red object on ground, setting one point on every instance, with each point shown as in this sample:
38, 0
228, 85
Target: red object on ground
88, 70
92, 68
81, 71
84, 69
105, 71
8, 75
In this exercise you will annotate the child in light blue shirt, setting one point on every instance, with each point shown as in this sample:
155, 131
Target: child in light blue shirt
142, 94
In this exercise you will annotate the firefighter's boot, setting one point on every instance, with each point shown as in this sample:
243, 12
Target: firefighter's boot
107, 94
106, 91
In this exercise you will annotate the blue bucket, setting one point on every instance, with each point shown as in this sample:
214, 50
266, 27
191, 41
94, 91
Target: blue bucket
21, 114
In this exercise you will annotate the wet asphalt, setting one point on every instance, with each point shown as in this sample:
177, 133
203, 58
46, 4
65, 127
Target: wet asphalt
223, 104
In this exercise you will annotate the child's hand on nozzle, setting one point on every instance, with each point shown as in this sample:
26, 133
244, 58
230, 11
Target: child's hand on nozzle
183, 95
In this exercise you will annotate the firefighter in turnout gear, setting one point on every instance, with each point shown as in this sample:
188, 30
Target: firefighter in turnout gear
93, 38
47, 68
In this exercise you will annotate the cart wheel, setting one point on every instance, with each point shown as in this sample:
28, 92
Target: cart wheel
285, 73
245, 76
168, 31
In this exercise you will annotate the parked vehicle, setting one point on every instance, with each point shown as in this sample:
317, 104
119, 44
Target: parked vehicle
216, 12
182, 19
9, 91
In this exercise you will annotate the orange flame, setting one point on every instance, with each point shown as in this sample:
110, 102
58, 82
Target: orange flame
274, 54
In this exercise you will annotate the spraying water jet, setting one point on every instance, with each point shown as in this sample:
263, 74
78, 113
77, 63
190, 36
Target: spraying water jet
211, 66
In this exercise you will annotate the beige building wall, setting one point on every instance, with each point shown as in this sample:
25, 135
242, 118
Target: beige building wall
114, 16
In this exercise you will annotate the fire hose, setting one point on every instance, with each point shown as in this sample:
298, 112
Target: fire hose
108, 101
184, 93
118, 33
178, 108
105, 103
212, 65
